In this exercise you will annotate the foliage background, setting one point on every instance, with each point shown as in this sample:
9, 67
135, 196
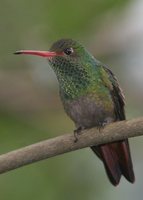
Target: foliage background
30, 108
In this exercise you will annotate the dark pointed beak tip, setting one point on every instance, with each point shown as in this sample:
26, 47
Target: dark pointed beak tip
17, 52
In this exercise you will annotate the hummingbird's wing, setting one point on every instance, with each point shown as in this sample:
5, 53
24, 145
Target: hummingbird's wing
116, 94
115, 156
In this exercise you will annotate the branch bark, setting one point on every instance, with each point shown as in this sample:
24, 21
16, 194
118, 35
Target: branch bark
65, 143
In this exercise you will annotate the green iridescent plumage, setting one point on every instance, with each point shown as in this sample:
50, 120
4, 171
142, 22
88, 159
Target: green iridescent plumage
79, 74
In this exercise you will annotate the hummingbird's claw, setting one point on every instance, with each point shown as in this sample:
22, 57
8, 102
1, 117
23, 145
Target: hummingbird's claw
77, 132
101, 125
75, 137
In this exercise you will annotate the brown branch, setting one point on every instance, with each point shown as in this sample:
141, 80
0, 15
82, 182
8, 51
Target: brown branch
65, 143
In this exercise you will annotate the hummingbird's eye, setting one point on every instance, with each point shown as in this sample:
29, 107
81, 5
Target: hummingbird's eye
68, 51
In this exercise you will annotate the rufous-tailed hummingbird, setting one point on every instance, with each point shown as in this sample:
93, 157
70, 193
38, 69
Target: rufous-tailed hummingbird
92, 97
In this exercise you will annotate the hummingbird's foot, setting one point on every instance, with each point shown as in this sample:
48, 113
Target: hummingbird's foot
77, 132
101, 125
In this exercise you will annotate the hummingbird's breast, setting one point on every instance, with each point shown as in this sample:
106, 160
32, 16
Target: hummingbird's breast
90, 110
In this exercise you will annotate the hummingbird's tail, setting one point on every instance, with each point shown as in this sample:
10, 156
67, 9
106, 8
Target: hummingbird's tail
117, 160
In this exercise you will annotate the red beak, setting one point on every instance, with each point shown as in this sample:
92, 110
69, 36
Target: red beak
40, 53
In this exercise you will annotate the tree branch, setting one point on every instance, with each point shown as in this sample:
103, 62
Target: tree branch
65, 143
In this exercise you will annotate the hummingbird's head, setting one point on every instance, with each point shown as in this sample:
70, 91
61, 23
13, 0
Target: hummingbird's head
64, 55
69, 55
68, 49
70, 61
62, 50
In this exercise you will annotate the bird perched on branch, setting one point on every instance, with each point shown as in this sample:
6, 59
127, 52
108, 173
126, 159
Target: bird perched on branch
91, 97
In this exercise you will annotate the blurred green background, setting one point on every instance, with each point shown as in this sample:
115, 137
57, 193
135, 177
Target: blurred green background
30, 108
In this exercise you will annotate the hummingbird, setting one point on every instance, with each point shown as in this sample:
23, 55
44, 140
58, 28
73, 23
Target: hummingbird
91, 97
